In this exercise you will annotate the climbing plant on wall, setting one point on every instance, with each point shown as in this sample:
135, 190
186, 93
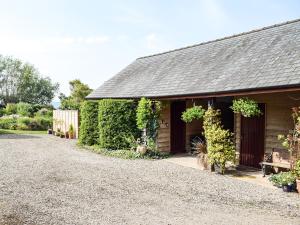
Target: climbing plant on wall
147, 117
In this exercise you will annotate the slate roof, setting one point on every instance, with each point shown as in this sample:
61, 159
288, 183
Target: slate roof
263, 58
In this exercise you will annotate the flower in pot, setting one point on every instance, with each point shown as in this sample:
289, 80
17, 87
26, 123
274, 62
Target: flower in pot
71, 132
297, 174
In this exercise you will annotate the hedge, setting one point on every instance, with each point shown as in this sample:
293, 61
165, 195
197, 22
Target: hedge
117, 124
88, 133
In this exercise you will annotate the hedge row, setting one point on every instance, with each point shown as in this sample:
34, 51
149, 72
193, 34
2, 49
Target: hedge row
88, 133
117, 123
110, 123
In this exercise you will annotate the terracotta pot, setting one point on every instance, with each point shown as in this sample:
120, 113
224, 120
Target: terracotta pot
71, 136
202, 160
142, 149
67, 135
298, 185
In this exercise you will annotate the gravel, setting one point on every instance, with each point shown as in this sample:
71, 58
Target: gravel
48, 180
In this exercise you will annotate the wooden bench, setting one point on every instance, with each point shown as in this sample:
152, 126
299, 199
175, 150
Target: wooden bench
278, 158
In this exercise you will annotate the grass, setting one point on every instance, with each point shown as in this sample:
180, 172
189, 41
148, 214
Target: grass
3, 131
125, 154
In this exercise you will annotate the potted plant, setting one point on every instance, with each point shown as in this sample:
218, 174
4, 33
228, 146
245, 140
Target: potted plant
67, 134
71, 132
141, 147
297, 174
57, 133
62, 135
288, 181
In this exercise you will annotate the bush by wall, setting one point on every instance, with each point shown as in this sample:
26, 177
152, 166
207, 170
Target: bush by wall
117, 124
88, 133
219, 141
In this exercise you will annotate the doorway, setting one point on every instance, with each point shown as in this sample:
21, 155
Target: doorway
253, 139
178, 128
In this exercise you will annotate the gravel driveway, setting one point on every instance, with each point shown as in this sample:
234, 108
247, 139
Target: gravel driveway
47, 180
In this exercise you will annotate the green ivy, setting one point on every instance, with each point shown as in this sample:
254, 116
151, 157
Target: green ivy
220, 146
147, 115
247, 107
88, 132
117, 124
194, 113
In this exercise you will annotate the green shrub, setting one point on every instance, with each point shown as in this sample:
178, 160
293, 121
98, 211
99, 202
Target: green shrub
10, 109
24, 109
220, 146
194, 113
8, 123
2, 112
44, 112
36, 123
89, 132
117, 123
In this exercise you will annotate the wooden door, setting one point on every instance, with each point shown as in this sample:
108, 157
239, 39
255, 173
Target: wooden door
177, 127
252, 139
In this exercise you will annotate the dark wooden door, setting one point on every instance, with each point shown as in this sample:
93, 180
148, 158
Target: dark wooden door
252, 139
177, 127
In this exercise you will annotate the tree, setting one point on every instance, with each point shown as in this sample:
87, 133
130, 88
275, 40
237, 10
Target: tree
21, 82
79, 91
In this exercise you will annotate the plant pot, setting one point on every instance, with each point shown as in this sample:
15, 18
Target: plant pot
67, 135
202, 161
50, 131
217, 168
298, 185
71, 136
142, 149
287, 188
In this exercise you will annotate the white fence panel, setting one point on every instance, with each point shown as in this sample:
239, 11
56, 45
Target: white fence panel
62, 119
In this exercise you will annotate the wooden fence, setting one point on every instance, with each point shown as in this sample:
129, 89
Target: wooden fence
62, 119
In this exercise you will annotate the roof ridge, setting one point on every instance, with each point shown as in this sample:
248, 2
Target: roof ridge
223, 38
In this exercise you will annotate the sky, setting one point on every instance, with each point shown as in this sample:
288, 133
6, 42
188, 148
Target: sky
92, 40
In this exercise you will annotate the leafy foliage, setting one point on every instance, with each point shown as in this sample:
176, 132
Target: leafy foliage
10, 109
117, 124
88, 132
24, 109
127, 154
247, 107
291, 140
219, 142
147, 115
297, 169
194, 113
79, 91
283, 178
21, 82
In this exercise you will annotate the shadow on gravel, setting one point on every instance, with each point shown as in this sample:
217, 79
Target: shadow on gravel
17, 136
